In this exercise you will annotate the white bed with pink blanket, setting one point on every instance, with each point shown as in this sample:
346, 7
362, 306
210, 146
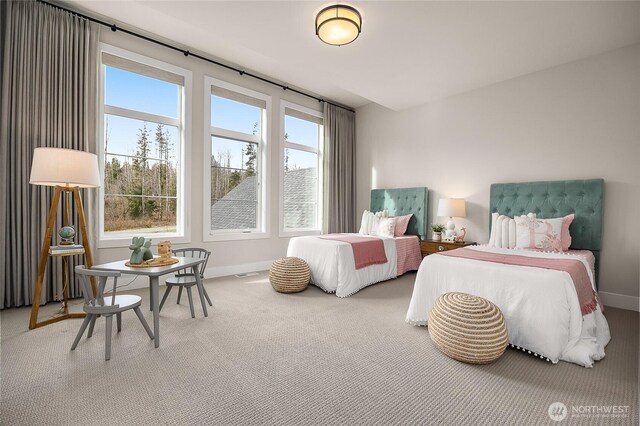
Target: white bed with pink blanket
540, 306
543, 277
333, 265
387, 246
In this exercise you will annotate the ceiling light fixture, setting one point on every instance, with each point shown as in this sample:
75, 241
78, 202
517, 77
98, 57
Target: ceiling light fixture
338, 24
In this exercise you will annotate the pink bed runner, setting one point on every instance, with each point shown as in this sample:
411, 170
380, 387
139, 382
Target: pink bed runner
366, 250
576, 269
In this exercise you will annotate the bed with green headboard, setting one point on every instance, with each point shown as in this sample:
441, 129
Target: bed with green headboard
550, 199
331, 258
404, 201
548, 300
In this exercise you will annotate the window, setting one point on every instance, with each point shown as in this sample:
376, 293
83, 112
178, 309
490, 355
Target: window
142, 147
301, 170
234, 158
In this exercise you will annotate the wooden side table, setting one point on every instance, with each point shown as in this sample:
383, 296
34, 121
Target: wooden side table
428, 247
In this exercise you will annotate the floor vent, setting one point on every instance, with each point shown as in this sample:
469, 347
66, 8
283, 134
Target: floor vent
248, 274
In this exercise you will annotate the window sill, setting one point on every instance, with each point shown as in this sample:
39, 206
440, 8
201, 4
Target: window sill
299, 233
125, 241
236, 236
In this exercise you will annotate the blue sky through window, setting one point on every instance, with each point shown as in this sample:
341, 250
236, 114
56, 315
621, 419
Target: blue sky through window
141, 93
233, 115
301, 131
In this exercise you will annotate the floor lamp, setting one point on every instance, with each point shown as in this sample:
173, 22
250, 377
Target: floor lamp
67, 170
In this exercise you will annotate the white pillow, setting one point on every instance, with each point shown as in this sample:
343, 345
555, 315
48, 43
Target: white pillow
365, 222
500, 229
543, 234
505, 231
386, 227
504, 236
492, 235
512, 233
375, 221
369, 222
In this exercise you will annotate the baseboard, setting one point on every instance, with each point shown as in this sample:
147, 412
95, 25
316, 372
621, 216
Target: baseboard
139, 281
224, 271
621, 301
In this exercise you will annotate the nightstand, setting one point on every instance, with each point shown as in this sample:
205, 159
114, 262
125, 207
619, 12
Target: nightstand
428, 247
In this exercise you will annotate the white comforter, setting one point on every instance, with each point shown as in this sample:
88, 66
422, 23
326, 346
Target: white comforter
333, 267
540, 306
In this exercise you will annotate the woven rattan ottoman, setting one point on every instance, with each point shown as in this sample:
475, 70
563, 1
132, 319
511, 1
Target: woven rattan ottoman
289, 275
468, 328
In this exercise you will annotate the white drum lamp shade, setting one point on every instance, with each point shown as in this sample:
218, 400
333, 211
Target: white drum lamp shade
451, 207
64, 167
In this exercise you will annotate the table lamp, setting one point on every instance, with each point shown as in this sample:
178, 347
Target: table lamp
451, 207
67, 170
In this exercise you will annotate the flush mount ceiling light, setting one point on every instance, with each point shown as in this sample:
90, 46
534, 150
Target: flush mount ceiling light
338, 24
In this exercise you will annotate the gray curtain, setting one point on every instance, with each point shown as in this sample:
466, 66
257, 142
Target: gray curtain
339, 169
48, 94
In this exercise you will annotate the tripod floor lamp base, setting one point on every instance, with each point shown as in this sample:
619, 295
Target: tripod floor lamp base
50, 167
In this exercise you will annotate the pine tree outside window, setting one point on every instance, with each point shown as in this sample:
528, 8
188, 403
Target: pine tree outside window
142, 148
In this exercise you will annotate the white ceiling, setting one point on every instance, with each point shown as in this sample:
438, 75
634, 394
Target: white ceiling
409, 53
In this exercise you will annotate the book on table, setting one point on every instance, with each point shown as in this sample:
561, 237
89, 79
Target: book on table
66, 249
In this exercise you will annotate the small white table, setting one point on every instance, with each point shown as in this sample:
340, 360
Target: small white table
154, 273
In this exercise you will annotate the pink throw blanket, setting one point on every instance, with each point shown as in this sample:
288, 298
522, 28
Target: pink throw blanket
576, 269
366, 250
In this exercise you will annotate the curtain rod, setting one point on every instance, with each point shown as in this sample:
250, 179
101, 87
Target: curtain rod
187, 53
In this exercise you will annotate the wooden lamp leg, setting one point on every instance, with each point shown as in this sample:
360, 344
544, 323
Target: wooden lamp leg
44, 257
85, 234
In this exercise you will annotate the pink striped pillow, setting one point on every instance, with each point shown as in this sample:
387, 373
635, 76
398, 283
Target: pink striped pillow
565, 236
402, 222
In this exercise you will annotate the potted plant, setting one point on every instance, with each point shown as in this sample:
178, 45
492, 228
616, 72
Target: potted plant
437, 229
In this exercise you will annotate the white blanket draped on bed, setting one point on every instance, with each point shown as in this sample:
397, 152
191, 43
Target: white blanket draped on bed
540, 306
333, 267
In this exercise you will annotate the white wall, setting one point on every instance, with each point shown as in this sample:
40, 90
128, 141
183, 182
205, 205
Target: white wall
576, 121
228, 257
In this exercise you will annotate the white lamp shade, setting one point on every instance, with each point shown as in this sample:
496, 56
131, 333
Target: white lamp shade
64, 167
451, 207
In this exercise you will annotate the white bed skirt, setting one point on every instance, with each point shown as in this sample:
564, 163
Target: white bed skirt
333, 267
540, 306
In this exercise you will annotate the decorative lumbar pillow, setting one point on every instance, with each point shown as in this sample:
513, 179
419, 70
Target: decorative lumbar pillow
542, 234
386, 227
402, 222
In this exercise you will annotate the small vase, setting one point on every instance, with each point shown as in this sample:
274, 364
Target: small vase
437, 236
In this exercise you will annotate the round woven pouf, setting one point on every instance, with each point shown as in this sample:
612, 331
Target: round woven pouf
289, 275
468, 328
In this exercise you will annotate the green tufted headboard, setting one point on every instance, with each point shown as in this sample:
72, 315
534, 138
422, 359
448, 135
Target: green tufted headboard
403, 201
584, 198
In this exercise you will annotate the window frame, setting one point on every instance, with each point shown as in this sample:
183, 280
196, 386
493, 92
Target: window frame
183, 123
262, 168
295, 232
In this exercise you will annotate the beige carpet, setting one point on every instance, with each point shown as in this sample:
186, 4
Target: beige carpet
302, 359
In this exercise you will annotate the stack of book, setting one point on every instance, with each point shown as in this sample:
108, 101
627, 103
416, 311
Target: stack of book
66, 250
